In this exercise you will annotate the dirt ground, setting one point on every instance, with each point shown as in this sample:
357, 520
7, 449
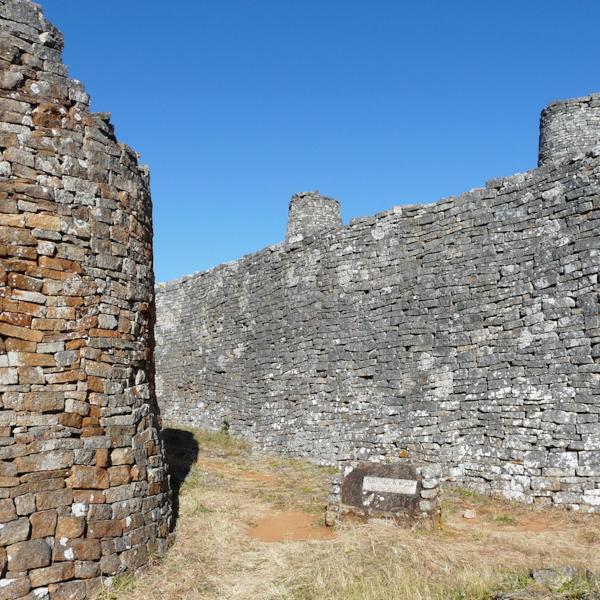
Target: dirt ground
251, 527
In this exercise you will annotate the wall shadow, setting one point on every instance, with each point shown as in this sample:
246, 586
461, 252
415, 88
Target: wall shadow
181, 452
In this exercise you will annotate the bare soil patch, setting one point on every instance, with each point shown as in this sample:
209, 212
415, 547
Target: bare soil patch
248, 524
290, 526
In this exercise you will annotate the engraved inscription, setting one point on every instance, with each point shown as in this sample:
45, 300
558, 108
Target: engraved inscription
390, 486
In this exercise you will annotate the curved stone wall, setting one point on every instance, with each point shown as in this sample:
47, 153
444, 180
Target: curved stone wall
568, 128
83, 486
466, 332
310, 214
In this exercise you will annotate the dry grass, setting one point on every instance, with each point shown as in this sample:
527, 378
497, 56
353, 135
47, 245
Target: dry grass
228, 488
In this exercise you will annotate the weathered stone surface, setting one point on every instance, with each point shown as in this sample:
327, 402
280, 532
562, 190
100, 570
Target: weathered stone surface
70, 527
464, 332
55, 573
76, 317
55, 499
44, 461
25, 504
72, 590
14, 531
22, 333
80, 549
25, 556
111, 564
43, 524
119, 475
44, 402
122, 456
7, 510
87, 569
13, 588
105, 529
85, 477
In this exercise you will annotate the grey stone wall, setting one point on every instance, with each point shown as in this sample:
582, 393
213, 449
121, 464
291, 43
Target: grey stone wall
465, 333
84, 491
569, 127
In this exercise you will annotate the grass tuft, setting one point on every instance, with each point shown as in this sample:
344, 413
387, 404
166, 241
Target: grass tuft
503, 519
119, 585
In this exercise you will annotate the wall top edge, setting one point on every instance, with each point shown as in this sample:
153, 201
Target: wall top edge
313, 194
559, 104
492, 188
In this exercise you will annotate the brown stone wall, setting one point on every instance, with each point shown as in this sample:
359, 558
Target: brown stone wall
83, 487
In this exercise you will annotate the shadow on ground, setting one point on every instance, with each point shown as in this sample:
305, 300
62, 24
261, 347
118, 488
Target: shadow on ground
181, 450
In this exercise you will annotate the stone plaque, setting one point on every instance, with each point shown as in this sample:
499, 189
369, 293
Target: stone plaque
404, 492
382, 488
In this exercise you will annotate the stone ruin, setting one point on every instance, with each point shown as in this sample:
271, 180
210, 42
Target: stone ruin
464, 333
84, 492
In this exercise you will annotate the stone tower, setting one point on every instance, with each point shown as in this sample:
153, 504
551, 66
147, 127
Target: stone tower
83, 485
568, 128
310, 213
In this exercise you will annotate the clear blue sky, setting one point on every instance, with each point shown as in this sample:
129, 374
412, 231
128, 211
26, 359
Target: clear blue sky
236, 104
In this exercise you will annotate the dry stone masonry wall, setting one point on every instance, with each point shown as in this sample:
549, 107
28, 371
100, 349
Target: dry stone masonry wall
466, 332
83, 488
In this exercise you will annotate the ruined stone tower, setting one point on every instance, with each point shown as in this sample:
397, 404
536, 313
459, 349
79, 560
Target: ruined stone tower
568, 128
310, 214
83, 485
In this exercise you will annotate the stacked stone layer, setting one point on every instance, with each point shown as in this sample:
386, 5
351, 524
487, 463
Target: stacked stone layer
83, 486
466, 333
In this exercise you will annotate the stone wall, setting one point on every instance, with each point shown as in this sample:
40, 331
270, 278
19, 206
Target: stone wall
83, 486
466, 332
